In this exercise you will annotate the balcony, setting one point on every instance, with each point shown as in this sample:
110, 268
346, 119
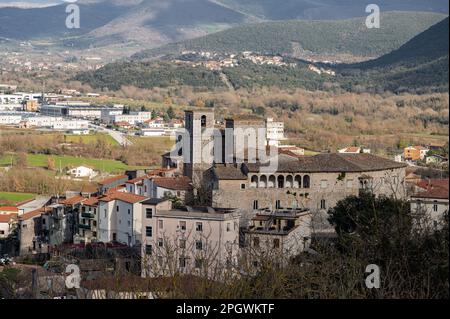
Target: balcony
87, 215
83, 226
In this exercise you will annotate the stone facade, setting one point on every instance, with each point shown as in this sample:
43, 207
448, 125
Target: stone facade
198, 152
317, 191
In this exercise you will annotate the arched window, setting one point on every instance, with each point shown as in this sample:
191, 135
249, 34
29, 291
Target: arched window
263, 181
272, 180
297, 181
254, 181
289, 181
203, 121
306, 181
280, 181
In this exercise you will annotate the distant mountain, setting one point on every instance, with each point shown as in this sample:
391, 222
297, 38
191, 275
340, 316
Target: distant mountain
308, 39
149, 22
420, 64
152, 23
430, 45
328, 9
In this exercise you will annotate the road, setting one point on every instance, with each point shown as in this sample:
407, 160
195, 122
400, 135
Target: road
116, 135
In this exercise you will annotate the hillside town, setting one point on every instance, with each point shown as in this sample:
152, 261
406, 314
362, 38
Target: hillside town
184, 218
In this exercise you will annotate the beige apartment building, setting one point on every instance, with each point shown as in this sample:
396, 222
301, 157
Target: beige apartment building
195, 240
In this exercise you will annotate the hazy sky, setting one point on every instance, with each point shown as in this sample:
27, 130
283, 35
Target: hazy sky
28, 3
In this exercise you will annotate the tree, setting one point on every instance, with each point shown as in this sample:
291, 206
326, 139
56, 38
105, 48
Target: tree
50, 164
176, 202
170, 112
382, 230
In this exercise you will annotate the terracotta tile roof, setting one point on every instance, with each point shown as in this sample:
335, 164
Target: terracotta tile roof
74, 200
7, 218
35, 213
433, 192
352, 149
425, 184
122, 196
92, 201
9, 209
433, 188
181, 183
113, 179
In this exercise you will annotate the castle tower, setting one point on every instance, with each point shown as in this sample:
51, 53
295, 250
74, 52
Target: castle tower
201, 155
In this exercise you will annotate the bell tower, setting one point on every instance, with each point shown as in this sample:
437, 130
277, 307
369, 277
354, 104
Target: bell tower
200, 155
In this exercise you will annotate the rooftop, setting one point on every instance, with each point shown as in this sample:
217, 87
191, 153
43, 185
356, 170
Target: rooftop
92, 201
34, 213
228, 172
7, 218
331, 162
9, 209
74, 200
153, 201
182, 183
434, 189
122, 196
113, 179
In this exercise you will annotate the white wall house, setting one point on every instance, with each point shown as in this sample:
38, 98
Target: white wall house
431, 203
10, 119
82, 171
7, 224
120, 218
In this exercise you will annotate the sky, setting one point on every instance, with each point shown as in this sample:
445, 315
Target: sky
28, 3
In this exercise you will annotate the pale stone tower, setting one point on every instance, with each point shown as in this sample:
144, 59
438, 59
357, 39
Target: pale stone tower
201, 155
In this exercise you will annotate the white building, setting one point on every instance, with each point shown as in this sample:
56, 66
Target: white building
431, 203
56, 123
274, 132
71, 125
157, 123
7, 224
10, 118
120, 218
82, 171
152, 132
132, 118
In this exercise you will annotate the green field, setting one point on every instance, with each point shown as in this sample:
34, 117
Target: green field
41, 160
15, 197
89, 139
160, 144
